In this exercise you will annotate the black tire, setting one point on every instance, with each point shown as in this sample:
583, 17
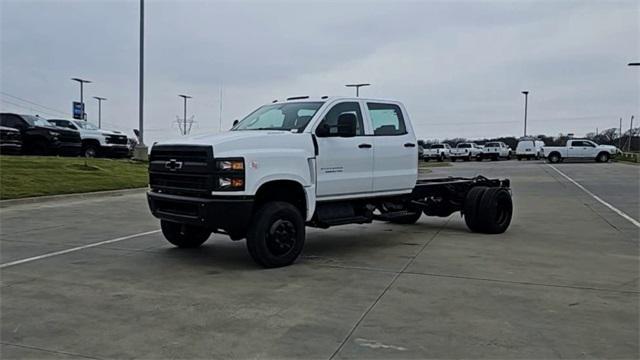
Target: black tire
184, 236
468, 158
454, 159
495, 210
90, 151
426, 159
441, 158
494, 158
276, 235
519, 158
471, 206
407, 219
603, 157
479, 158
554, 158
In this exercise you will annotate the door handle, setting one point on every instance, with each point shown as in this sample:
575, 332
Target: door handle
364, 146
409, 145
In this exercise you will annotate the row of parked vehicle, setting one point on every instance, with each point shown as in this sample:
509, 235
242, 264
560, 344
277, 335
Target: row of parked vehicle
527, 149
34, 135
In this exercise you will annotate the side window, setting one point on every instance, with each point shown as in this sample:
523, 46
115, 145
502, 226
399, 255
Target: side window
11, 121
331, 119
386, 119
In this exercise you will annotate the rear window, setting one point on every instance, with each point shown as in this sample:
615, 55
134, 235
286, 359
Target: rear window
464, 146
386, 119
492, 145
437, 146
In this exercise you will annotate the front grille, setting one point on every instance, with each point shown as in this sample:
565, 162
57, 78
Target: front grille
9, 135
182, 169
116, 139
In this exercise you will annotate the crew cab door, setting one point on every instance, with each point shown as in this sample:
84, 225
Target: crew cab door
395, 159
344, 165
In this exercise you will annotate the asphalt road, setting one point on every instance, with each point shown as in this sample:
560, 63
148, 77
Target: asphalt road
562, 282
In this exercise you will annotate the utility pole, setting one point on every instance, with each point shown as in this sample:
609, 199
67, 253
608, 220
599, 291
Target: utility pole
82, 82
526, 103
630, 135
184, 129
99, 110
620, 136
357, 86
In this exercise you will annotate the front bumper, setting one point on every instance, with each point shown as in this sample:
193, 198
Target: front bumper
229, 213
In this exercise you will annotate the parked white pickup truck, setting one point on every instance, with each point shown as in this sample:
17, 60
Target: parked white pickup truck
302, 162
96, 141
496, 150
579, 149
436, 152
466, 152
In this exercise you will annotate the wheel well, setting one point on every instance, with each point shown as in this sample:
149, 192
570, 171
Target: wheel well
555, 152
90, 142
282, 190
603, 152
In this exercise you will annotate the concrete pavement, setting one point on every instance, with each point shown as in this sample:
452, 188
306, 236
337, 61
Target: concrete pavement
561, 282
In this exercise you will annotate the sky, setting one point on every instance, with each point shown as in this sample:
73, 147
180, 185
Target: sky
458, 66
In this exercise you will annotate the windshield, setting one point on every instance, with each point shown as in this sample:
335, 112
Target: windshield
36, 121
287, 116
437, 146
85, 125
464, 146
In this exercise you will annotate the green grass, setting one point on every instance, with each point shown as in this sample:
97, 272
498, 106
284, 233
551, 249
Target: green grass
26, 176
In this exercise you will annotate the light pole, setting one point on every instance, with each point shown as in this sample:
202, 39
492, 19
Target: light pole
357, 86
184, 124
99, 110
82, 82
526, 100
141, 151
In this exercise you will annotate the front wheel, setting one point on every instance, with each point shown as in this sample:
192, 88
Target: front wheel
90, 151
276, 235
184, 236
554, 158
602, 157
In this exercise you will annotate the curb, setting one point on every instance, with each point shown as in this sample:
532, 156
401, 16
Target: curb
87, 195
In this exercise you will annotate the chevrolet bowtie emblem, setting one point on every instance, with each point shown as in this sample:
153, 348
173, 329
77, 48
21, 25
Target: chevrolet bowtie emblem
173, 165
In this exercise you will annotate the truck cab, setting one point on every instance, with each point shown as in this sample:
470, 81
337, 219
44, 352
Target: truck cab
289, 164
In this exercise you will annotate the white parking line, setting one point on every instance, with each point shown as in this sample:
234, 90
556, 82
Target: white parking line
611, 207
61, 252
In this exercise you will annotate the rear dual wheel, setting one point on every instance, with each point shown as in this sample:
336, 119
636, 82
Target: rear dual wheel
488, 210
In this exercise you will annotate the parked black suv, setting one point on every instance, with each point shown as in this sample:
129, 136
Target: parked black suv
39, 137
10, 140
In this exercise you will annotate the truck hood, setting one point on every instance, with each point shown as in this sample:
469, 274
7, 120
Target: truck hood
239, 143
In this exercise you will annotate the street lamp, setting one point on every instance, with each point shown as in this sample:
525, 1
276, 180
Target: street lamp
357, 86
526, 98
141, 151
184, 128
99, 110
82, 82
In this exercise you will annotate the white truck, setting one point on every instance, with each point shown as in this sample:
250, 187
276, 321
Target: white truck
496, 150
305, 161
579, 149
466, 152
96, 141
436, 152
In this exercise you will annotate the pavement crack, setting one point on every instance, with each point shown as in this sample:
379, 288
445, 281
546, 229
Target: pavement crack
528, 283
49, 350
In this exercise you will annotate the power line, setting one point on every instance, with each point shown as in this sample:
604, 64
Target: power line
33, 103
28, 108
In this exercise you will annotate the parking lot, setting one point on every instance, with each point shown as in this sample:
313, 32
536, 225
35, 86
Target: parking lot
562, 282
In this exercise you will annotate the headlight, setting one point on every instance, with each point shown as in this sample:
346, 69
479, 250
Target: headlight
231, 176
53, 133
231, 165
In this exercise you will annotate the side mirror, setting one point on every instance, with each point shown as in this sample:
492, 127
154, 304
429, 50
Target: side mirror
347, 124
235, 122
